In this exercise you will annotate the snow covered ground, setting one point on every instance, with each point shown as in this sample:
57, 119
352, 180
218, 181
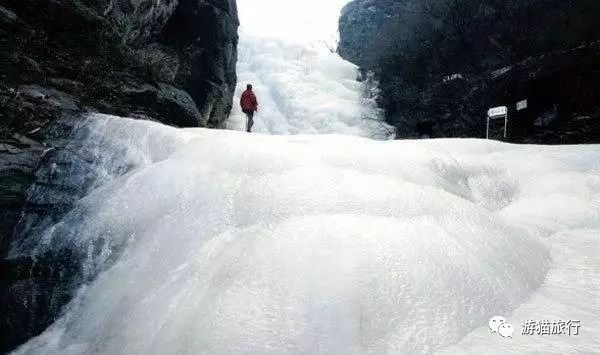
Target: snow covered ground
302, 87
227, 243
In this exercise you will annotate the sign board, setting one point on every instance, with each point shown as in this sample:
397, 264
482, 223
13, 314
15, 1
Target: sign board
521, 105
495, 112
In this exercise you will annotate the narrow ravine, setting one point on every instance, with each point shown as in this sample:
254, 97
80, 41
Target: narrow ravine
303, 86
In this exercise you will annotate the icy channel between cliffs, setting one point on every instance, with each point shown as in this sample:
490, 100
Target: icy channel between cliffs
287, 52
219, 242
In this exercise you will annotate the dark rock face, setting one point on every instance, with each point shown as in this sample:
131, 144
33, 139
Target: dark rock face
361, 28
171, 60
447, 62
117, 55
19, 158
209, 52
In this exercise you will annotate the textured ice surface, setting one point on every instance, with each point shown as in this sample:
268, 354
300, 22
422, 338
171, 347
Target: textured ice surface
302, 87
228, 243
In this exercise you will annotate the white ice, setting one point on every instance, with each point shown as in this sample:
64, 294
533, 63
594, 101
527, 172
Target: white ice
285, 52
229, 243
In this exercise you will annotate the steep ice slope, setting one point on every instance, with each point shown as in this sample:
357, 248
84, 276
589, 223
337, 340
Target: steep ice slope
302, 87
228, 243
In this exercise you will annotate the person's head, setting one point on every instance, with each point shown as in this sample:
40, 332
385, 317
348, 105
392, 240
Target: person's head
249, 87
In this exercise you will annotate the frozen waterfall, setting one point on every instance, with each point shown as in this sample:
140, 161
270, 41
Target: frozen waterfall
220, 242
311, 237
303, 87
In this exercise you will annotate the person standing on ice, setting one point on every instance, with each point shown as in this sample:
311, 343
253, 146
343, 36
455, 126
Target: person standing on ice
249, 106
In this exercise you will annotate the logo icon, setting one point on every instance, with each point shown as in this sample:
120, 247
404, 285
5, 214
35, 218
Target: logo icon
499, 325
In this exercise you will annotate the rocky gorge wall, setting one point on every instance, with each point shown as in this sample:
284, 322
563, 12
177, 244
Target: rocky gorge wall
444, 63
171, 61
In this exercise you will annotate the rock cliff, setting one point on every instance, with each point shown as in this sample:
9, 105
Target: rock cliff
444, 63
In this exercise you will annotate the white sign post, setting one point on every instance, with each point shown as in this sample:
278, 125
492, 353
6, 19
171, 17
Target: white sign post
497, 113
521, 105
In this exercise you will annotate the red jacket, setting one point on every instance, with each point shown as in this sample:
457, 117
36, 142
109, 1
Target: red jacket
248, 101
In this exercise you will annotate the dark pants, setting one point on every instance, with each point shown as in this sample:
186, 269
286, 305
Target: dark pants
249, 120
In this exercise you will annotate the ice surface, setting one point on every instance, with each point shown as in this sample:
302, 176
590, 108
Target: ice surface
302, 87
229, 243
571, 292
